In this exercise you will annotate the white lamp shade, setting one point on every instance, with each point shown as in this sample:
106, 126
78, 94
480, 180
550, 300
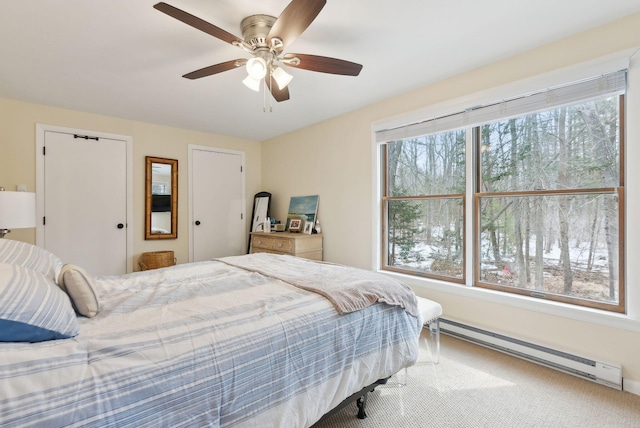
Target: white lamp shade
281, 77
17, 210
257, 68
251, 83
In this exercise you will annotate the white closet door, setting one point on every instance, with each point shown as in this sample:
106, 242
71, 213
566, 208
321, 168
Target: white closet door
217, 204
85, 202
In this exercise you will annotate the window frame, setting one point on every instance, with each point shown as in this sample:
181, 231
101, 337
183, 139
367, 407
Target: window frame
472, 278
620, 307
385, 199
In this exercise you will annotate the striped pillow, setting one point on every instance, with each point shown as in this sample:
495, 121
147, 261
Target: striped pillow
32, 307
30, 256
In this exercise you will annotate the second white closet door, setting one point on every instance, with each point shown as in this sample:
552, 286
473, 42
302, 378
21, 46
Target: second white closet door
217, 198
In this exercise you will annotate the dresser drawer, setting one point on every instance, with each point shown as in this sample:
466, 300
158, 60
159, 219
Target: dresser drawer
273, 243
293, 244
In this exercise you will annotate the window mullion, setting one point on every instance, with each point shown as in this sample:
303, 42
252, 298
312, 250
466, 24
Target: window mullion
472, 169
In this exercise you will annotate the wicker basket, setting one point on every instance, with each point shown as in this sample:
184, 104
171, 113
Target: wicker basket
156, 259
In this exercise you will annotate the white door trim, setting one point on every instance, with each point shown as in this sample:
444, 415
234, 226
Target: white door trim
40, 135
191, 148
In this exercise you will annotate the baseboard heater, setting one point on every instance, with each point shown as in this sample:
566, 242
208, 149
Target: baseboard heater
605, 374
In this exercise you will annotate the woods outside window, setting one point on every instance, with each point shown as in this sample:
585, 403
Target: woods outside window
548, 195
425, 204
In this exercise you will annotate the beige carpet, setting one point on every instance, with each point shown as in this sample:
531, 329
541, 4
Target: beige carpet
477, 387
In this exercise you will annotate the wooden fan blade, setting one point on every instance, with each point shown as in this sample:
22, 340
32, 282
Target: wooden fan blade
278, 94
324, 64
215, 69
294, 19
196, 22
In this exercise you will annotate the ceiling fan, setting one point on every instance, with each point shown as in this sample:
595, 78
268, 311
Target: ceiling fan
265, 37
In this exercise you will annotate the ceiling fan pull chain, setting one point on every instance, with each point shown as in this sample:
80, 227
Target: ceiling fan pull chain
264, 96
270, 86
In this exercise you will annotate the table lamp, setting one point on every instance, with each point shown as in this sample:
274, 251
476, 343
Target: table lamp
17, 211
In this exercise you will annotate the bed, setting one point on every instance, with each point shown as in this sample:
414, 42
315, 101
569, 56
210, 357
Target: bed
255, 340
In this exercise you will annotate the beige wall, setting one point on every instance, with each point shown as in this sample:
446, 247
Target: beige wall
17, 161
334, 160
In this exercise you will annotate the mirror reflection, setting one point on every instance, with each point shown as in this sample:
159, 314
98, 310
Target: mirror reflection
161, 198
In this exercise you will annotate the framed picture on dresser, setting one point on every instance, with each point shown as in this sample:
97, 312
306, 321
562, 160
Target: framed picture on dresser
295, 225
303, 207
308, 227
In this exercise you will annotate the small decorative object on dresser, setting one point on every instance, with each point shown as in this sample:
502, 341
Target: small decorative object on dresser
308, 227
293, 244
295, 225
278, 227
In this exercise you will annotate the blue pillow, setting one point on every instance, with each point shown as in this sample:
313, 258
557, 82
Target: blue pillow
32, 307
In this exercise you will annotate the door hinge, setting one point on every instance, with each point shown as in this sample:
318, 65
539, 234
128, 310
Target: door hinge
86, 137
44, 150
240, 168
44, 221
241, 216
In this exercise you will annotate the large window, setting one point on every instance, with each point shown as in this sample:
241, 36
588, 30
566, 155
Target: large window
548, 196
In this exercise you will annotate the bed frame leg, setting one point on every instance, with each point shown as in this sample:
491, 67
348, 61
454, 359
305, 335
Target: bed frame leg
359, 397
362, 405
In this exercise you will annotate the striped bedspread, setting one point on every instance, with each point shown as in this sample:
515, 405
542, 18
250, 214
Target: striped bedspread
203, 345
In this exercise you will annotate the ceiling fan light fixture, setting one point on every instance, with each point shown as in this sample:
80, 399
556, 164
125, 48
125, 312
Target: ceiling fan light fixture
251, 83
257, 68
281, 77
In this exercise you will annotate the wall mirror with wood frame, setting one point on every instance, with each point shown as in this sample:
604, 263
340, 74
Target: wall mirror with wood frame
161, 198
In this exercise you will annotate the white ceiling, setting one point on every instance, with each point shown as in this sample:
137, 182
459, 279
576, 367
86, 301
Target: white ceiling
125, 59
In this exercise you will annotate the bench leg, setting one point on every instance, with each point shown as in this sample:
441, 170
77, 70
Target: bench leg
433, 341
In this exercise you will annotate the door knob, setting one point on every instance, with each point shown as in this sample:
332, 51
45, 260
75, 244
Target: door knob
120, 225
197, 222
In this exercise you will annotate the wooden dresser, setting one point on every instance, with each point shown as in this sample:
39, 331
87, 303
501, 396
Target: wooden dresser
293, 244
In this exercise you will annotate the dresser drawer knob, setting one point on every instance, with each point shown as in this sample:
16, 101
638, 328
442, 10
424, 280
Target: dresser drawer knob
258, 242
279, 244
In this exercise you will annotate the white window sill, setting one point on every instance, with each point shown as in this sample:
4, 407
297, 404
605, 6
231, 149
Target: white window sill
594, 316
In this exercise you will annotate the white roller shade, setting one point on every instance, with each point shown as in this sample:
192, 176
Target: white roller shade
608, 84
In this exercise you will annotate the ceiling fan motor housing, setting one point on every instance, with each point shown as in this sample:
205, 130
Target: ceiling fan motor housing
255, 29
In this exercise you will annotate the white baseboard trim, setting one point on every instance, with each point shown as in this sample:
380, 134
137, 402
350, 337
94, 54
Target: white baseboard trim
632, 386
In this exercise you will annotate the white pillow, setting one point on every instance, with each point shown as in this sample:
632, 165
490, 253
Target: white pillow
81, 288
29, 256
32, 307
